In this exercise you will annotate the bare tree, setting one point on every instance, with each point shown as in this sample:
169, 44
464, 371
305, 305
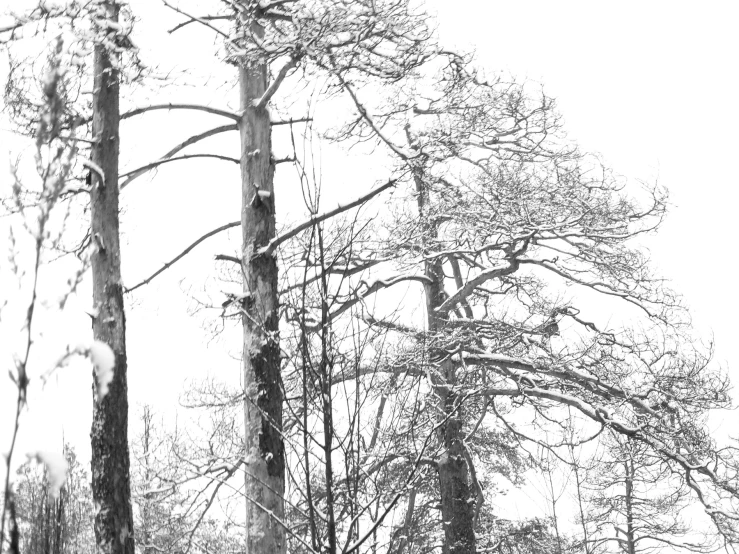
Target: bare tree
636, 501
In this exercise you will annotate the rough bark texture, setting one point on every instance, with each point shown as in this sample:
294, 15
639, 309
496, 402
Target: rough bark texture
109, 435
264, 449
457, 496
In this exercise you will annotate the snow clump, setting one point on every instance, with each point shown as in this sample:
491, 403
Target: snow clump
103, 359
56, 468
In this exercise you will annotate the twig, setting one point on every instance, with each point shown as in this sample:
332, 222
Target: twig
227, 258
194, 18
205, 17
291, 121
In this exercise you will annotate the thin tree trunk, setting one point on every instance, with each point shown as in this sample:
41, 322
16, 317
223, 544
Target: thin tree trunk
629, 482
553, 496
328, 424
110, 459
578, 483
264, 449
145, 538
406, 538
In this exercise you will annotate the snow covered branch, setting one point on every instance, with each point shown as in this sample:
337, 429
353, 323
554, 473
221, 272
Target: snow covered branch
370, 288
461, 294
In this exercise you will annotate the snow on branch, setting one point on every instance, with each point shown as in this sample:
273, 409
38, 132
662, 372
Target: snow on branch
598, 286
592, 384
370, 288
461, 294
92, 166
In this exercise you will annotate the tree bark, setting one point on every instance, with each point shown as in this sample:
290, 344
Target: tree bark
457, 497
264, 449
109, 435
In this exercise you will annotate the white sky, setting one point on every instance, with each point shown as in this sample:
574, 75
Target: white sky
652, 86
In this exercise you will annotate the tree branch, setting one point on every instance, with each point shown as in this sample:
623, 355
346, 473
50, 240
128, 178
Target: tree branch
461, 294
316, 219
192, 140
227, 258
194, 18
376, 286
291, 121
184, 253
171, 106
157, 163
275, 84
205, 17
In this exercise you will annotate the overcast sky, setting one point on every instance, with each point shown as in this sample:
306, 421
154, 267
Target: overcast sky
651, 86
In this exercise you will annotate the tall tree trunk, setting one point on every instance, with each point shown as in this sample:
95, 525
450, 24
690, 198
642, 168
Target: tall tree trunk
110, 460
457, 496
457, 511
264, 449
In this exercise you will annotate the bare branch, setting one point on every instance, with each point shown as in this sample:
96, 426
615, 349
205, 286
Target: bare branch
205, 18
192, 140
291, 121
275, 84
195, 18
316, 219
157, 163
171, 106
184, 253
227, 258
